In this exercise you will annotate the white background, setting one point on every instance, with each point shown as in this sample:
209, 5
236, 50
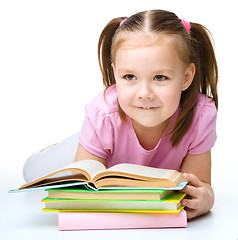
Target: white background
49, 71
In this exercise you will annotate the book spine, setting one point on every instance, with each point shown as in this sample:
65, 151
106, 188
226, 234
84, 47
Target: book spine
97, 220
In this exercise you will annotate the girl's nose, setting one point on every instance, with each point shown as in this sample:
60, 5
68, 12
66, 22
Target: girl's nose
145, 92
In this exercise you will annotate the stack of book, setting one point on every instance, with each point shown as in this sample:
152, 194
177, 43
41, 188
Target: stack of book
116, 208
121, 197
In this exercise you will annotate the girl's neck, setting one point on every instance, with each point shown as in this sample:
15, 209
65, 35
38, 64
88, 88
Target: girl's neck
149, 137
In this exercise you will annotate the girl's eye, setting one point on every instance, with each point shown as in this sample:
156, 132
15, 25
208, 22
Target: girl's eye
130, 77
160, 78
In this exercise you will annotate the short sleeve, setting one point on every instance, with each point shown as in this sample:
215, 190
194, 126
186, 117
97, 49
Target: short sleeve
96, 134
205, 128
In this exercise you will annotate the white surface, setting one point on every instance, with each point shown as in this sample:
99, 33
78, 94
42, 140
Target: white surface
22, 218
49, 71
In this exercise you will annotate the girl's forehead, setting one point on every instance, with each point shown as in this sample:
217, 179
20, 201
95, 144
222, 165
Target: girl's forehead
142, 39
133, 40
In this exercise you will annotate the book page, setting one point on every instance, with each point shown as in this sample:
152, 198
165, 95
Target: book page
143, 170
92, 167
88, 168
149, 176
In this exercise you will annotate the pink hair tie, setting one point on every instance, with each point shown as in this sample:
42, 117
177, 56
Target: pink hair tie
186, 24
122, 21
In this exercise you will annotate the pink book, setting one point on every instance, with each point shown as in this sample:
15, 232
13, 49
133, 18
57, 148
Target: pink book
118, 220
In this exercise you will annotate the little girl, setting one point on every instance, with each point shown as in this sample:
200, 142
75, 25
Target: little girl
158, 109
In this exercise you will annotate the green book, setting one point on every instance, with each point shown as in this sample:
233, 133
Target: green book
120, 194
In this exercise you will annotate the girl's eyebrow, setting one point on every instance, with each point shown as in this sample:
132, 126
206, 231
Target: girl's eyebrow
124, 70
170, 71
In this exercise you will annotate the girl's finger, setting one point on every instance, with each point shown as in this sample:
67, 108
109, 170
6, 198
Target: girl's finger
191, 191
192, 179
190, 203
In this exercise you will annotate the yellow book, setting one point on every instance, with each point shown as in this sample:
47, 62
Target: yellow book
116, 210
172, 202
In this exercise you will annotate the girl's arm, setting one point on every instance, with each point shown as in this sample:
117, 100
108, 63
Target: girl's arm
197, 171
83, 154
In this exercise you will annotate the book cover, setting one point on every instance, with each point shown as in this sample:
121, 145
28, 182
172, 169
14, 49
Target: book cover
120, 194
116, 210
89, 187
101, 220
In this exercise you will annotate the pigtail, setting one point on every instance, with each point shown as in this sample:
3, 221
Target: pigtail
207, 64
104, 51
205, 80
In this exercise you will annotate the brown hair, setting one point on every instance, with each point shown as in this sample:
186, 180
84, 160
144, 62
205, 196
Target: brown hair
193, 47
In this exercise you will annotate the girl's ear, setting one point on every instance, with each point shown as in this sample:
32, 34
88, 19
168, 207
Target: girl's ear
189, 75
113, 68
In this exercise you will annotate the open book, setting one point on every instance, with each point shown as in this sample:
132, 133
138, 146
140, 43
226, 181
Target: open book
92, 172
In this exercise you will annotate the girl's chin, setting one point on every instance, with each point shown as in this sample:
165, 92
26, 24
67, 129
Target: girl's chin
146, 124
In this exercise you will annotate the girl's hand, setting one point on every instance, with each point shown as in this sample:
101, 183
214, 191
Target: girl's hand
201, 196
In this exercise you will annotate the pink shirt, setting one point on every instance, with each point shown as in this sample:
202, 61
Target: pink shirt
105, 135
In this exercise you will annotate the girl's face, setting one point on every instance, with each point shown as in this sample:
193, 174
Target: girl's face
149, 80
